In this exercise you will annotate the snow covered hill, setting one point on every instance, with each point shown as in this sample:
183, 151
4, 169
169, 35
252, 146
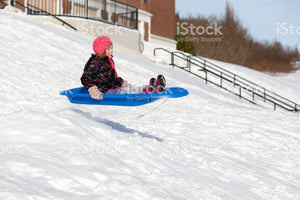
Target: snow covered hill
208, 145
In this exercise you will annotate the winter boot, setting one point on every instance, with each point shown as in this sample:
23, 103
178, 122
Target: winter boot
151, 87
161, 84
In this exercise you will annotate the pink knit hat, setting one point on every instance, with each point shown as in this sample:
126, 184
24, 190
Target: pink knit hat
100, 44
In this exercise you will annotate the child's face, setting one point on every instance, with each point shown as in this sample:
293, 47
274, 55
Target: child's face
109, 52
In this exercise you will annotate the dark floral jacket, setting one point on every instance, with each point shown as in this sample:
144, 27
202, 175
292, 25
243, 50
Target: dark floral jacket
100, 72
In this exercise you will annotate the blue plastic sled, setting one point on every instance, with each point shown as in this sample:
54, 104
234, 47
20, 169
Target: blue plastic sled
81, 96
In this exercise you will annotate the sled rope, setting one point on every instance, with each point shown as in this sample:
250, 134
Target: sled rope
157, 107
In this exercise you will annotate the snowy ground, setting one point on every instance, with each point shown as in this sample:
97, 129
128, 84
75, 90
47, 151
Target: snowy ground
208, 145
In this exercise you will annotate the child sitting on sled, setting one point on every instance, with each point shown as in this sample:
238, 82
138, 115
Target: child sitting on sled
100, 75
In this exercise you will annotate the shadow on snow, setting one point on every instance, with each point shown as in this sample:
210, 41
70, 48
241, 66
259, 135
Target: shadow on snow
117, 126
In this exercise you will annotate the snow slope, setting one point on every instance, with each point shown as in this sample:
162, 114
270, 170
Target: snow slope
208, 145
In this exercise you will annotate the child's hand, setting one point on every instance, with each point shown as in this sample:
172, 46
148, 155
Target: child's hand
95, 92
125, 84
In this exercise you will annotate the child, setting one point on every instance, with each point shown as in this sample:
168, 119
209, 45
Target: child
100, 75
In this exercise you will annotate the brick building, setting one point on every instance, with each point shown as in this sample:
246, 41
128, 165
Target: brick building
156, 18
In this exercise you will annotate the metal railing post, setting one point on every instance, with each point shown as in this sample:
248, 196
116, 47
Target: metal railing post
221, 79
234, 79
172, 59
137, 19
240, 94
188, 60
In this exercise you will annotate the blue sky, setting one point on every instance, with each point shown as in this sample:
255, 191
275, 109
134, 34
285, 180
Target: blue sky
265, 19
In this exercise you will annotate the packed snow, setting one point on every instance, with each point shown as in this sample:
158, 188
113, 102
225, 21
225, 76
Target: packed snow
207, 145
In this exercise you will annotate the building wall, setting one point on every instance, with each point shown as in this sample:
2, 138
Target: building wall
163, 11
93, 29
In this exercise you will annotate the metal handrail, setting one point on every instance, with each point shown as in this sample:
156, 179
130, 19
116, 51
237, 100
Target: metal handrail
235, 76
81, 10
28, 5
223, 74
3, 3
